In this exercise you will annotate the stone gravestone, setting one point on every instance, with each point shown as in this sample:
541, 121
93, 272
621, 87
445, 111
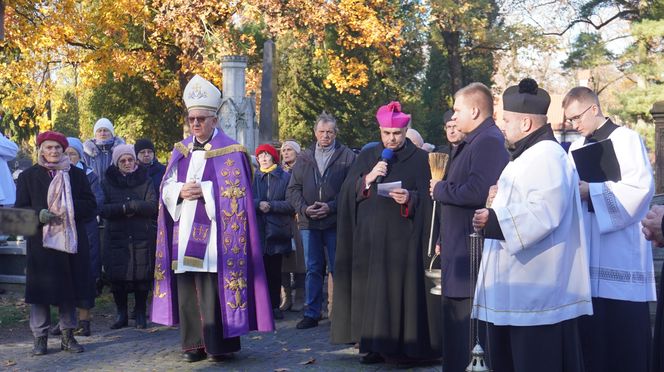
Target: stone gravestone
238, 112
18, 221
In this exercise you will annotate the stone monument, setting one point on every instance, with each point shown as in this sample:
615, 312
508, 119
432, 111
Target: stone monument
238, 111
268, 130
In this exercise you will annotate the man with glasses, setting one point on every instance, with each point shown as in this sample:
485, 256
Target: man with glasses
618, 336
209, 274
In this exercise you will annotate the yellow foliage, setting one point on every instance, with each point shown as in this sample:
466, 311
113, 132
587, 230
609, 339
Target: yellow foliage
165, 42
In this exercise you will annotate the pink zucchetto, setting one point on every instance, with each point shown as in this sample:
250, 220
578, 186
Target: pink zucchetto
390, 116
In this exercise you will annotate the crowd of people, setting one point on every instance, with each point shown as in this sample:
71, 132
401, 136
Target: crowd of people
560, 280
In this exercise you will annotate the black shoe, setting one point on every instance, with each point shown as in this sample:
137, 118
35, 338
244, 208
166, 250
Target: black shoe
220, 358
193, 355
120, 321
83, 328
69, 343
307, 322
372, 358
277, 314
40, 345
141, 320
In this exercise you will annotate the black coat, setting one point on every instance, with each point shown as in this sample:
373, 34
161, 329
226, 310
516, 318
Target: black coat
130, 236
271, 187
307, 185
380, 297
54, 277
156, 172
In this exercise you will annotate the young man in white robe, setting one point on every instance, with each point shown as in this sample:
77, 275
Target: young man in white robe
618, 336
533, 280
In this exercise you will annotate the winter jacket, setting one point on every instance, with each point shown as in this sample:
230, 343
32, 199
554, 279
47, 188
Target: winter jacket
156, 172
130, 207
271, 187
307, 185
98, 157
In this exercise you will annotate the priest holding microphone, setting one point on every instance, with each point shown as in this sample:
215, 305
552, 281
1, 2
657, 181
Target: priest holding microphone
384, 212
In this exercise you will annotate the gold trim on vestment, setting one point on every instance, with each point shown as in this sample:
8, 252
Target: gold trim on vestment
225, 150
182, 148
193, 262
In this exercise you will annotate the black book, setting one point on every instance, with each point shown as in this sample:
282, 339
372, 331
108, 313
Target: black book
597, 162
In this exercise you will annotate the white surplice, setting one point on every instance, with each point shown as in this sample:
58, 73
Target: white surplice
539, 274
185, 211
621, 263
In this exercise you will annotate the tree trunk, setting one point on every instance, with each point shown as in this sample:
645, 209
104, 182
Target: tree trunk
452, 45
2, 20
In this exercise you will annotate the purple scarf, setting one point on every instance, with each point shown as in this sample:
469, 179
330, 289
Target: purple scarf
60, 233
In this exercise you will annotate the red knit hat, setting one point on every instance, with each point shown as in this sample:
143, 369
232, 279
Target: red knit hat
270, 150
50, 135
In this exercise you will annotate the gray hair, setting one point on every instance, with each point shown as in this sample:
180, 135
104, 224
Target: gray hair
324, 117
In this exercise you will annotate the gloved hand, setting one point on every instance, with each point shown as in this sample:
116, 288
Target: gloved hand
132, 206
45, 216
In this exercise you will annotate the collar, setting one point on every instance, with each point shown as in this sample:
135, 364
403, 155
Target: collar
488, 122
603, 132
544, 133
331, 147
204, 145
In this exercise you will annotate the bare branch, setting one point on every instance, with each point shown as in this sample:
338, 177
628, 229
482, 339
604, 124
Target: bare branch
589, 21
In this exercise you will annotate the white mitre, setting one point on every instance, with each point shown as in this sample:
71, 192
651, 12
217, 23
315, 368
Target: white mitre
201, 94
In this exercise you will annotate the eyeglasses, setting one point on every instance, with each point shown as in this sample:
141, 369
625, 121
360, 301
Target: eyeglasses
574, 119
200, 119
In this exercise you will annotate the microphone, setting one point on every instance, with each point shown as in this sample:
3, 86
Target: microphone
385, 156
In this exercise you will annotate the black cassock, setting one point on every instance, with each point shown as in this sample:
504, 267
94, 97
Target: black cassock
380, 299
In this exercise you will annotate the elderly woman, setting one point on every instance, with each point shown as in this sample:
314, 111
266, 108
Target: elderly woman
274, 215
75, 152
130, 206
292, 267
99, 150
58, 263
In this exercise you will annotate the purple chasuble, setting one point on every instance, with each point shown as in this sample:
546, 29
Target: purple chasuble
243, 295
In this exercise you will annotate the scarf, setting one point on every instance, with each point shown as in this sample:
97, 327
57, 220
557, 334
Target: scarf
60, 233
269, 169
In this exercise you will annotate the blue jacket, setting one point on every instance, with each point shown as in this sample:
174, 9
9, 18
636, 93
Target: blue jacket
474, 168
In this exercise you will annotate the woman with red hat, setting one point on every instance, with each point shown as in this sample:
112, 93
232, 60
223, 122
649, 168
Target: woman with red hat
58, 269
274, 215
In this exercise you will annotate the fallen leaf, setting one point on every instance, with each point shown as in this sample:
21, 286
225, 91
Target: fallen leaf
9, 363
309, 361
257, 338
281, 370
284, 349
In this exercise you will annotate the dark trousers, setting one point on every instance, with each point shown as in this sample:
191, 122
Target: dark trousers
273, 273
456, 328
546, 348
40, 318
201, 325
617, 337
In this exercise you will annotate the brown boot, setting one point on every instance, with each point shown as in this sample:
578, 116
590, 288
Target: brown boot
69, 343
286, 298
